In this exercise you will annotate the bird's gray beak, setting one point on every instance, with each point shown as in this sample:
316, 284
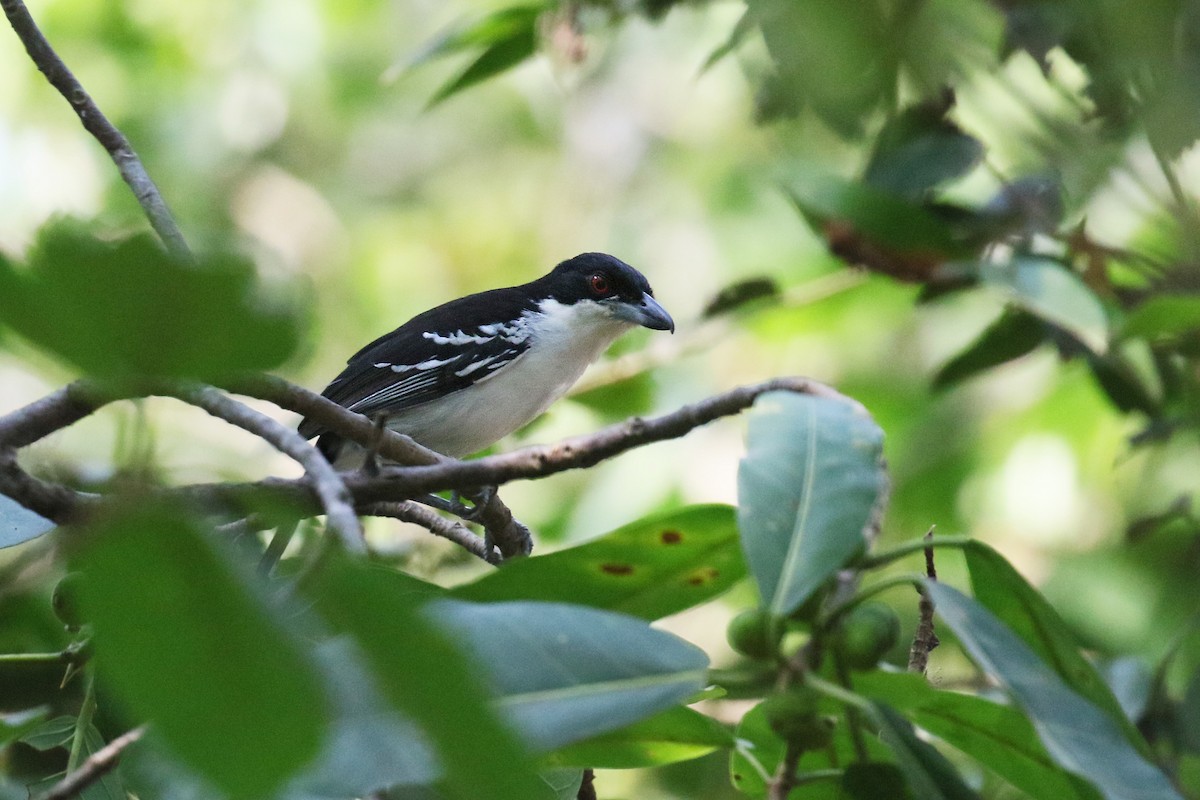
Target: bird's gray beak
647, 313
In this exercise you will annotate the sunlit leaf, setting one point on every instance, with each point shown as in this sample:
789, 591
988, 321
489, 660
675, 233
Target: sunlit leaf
1051, 291
998, 737
170, 610
564, 673
1164, 317
1077, 734
678, 734
126, 309
496, 27
18, 524
421, 671
807, 488
650, 568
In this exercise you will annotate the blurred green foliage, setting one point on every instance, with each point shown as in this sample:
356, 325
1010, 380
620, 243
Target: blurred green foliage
1016, 181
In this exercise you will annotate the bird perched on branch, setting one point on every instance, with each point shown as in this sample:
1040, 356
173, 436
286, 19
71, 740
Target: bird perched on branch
461, 376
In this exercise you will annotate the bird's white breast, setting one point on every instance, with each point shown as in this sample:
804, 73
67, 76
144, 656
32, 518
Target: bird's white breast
564, 339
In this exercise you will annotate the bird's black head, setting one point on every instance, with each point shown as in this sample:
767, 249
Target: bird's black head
613, 284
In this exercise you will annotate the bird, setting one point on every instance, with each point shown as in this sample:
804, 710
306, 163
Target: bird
459, 377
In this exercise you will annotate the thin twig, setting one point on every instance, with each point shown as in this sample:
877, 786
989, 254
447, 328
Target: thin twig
128, 164
417, 514
925, 638
784, 779
326, 482
94, 767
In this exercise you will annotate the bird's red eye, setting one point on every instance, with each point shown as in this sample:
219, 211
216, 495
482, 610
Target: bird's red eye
599, 284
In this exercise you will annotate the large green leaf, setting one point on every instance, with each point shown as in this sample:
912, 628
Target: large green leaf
184, 640
918, 150
1053, 292
126, 309
997, 736
929, 774
1021, 608
18, 524
1164, 317
678, 734
421, 671
656, 566
1078, 735
807, 488
564, 673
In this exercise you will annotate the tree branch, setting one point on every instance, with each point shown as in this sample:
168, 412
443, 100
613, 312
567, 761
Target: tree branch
925, 639
417, 514
128, 164
398, 483
94, 767
326, 482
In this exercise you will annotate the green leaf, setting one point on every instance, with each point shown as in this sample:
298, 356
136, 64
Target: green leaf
918, 150
868, 780
110, 786
1020, 607
880, 216
17, 724
998, 737
498, 57
1078, 735
1164, 317
807, 489
650, 568
564, 783
170, 610
504, 24
18, 524
127, 310
756, 755
1014, 334
425, 677
929, 774
564, 673
678, 734
1051, 291
51, 734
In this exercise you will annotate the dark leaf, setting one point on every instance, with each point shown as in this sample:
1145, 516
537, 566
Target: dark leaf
1051, 291
810, 482
930, 776
1014, 334
1077, 734
868, 780
918, 150
499, 56
427, 679
651, 568
51, 734
170, 610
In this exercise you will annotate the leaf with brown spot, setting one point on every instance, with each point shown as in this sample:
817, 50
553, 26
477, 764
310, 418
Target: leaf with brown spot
651, 568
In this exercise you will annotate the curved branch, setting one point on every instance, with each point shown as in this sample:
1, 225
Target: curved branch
128, 164
417, 514
326, 481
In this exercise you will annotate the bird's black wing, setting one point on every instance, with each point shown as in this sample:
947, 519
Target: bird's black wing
441, 351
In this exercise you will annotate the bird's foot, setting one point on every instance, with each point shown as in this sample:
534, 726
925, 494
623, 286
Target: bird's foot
477, 500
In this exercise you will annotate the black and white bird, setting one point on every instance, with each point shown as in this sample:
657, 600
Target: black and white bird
463, 375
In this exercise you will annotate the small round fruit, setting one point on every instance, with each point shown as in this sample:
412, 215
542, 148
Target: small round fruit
793, 717
868, 632
755, 634
65, 601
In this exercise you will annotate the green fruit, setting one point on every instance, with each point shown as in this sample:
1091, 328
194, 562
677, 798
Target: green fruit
755, 633
868, 632
65, 601
793, 717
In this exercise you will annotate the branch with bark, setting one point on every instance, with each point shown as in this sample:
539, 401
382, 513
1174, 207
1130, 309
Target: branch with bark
421, 470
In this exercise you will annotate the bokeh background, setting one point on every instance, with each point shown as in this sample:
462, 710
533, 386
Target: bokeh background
301, 132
